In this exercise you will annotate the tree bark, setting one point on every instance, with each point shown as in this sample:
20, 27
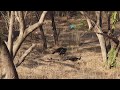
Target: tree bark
89, 23
24, 56
109, 28
43, 38
42, 33
100, 37
8, 68
27, 31
102, 45
100, 19
55, 34
10, 40
97, 30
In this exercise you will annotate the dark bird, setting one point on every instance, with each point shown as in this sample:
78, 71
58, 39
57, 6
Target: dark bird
60, 50
72, 58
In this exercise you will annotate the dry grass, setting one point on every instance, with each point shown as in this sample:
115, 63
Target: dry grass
89, 67
38, 64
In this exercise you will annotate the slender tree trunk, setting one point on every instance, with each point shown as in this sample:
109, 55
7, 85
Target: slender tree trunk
55, 34
89, 23
8, 68
10, 41
97, 29
100, 37
43, 38
42, 33
101, 19
118, 16
90, 26
109, 28
102, 45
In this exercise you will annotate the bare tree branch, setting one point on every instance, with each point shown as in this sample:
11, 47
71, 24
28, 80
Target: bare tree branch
8, 67
97, 30
36, 25
42, 32
24, 55
87, 16
27, 31
25, 14
10, 41
93, 22
16, 16
22, 23
6, 19
20, 18
110, 37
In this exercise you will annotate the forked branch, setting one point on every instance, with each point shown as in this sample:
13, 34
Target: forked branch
27, 31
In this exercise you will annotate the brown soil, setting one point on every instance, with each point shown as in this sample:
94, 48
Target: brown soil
38, 64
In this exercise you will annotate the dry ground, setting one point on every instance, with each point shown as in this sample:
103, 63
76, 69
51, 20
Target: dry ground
39, 66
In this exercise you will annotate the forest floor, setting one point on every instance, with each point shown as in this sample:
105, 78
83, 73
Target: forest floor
79, 42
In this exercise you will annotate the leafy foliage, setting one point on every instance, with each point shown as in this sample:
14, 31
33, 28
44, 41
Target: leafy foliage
114, 19
112, 54
112, 57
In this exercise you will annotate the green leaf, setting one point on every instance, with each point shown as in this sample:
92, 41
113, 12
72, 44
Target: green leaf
112, 57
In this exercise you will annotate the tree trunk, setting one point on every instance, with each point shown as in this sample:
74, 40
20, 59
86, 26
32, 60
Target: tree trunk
89, 23
27, 31
10, 40
102, 45
97, 29
55, 34
42, 33
100, 37
43, 38
101, 19
8, 68
109, 21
